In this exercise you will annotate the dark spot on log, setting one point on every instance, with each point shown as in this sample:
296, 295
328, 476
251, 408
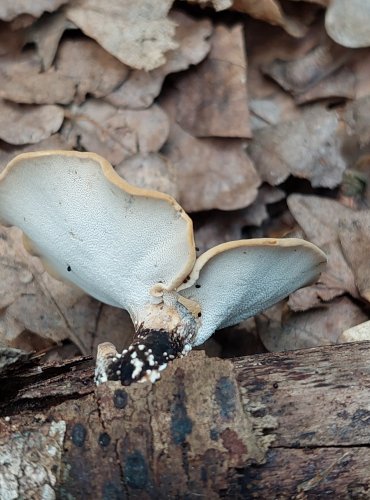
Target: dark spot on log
261, 412
199, 314
213, 434
197, 286
203, 474
343, 414
111, 492
181, 424
307, 436
361, 418
120, 399
275, 385
104, 439
225, 397
69, 269
136, 471
256, 385
79, 433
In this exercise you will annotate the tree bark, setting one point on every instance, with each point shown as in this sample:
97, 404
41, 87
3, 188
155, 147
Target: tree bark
286, 425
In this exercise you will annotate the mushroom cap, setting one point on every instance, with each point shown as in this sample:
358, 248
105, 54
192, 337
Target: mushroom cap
119, 243
239, 279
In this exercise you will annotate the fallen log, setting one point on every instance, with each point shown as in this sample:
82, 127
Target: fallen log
285, 425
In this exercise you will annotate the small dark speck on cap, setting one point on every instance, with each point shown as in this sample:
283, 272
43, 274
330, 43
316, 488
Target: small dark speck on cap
69, 269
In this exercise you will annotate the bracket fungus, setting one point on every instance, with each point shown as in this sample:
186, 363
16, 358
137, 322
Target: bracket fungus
134, 248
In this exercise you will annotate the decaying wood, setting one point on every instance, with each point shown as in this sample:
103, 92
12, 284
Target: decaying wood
286, 425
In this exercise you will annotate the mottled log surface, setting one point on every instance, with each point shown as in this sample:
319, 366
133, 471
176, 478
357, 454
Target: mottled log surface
287, 425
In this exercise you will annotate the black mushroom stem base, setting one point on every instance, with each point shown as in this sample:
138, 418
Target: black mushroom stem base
146, 357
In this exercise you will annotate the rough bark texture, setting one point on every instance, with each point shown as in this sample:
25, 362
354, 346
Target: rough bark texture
287, 425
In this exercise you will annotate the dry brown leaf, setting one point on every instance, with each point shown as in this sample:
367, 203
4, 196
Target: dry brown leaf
213, 228
348, 22
9, 9
114, 133
22, 81
341, 84
113, 325
282, 331
36, 310
283, 149
354, 235
91, 69
203, 181
37, 88
151, 171
271, 12
264, 10
82, 67
141, 87
301, 74
269, 104
216, 4
11, 42
32, 301
138, 34
7, 152
28, 124
221, 111
358, 333
46, 33
319, 218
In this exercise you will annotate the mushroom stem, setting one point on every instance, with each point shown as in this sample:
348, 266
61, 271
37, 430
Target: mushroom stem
147, 356
165, 334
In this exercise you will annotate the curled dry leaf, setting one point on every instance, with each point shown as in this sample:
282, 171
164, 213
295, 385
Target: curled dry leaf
271, 12
82, 67
354, 235
8, 152
223, 110
28, 124
46, 33
117, 134
89, 67
37, 88
348, 22
357, 333
36, 310
203, 181
9, 9
320, 218
280, 330
138, 34
141, 87
32, 301
151, 171
283, 149
264, 10
213, 228
216, 4
299, 75
341, 84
